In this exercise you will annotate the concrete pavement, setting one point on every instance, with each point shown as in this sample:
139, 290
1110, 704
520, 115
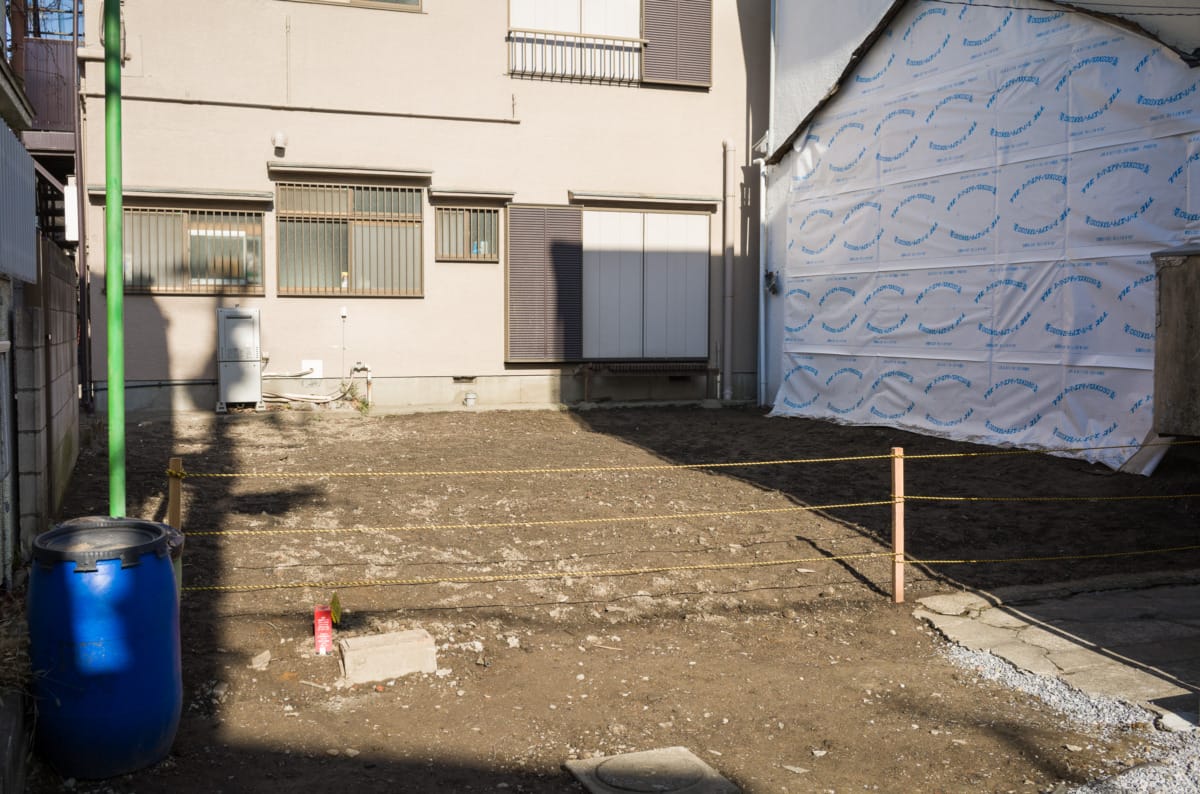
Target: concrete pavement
1136, 639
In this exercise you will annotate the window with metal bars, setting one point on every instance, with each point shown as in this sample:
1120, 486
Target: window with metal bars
193, 251
468, 234
349, 240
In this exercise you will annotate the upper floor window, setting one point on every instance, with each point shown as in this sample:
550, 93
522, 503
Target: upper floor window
349, 239
621, 41
193, 251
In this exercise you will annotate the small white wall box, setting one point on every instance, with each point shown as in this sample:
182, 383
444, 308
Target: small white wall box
239, 358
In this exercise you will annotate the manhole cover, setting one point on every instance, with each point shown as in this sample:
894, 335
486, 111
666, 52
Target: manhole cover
671, 770
661, 773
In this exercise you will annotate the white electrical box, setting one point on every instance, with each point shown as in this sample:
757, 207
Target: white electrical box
239, 358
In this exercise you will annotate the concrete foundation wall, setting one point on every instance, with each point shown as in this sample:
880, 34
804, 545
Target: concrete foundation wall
533, 390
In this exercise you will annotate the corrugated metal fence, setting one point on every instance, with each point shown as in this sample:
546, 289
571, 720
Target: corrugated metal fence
18, 209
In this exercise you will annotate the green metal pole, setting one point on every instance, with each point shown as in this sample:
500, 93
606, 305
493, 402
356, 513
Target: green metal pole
114, 245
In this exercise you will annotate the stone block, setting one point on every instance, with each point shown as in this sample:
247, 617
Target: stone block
31, 409
31, 452
30, 371
380, 656
28, 329
31, 494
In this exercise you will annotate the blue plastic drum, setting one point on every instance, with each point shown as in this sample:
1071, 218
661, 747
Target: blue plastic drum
104, 644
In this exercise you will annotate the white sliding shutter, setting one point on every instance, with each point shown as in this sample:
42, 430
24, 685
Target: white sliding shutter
612, 284
676, 286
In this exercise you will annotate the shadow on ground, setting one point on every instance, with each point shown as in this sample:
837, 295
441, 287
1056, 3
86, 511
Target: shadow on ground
1125, 530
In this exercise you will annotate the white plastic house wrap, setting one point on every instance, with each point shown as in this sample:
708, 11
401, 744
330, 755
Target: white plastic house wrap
970, 224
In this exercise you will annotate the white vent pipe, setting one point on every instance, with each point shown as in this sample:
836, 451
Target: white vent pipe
728, 211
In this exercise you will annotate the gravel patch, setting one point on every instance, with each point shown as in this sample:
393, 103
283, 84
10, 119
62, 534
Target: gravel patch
1175, 764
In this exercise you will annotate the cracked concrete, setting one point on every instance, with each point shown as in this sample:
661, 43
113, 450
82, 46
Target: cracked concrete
1137, 640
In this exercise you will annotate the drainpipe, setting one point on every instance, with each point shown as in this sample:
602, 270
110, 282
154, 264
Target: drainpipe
771, 86
114, 274
762, 280
84, 345
727, 214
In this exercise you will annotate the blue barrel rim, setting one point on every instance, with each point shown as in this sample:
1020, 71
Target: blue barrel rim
175, 536
140, 537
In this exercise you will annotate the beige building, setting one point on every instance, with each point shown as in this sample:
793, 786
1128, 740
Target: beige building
458, 197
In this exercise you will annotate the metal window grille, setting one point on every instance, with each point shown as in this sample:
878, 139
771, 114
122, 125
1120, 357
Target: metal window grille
349, 240
193, 251
468, 234
572, 56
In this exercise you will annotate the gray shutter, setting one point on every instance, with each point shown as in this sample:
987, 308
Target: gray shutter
545, 284
678, 42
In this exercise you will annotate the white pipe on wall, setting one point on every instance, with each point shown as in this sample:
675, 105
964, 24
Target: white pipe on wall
728, 209
762, 279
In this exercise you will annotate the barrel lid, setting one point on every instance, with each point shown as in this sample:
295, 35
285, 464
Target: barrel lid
89, 540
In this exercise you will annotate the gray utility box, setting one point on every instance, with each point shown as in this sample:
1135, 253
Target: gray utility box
239, 358
1177, 342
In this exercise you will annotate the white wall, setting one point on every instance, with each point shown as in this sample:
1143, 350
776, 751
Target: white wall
813, 44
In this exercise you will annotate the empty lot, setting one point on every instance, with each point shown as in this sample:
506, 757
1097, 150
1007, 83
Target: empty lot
638, 600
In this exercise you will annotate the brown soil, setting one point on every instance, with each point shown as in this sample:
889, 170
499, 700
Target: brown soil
786, 678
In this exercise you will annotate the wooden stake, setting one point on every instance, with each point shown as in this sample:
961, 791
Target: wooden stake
898, 525
175, 493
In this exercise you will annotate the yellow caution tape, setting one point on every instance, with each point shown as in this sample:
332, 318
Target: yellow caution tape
552, 522
1058, 558
562, 470
1003, 452
527, 577
182, 474
1134, 498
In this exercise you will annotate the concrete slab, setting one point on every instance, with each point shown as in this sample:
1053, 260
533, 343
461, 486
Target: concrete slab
1122, 683
1107, 636
971, 633
1049, 640
1002, 619
955, 603
377, 657
1080, 659
672, 770
1026, 657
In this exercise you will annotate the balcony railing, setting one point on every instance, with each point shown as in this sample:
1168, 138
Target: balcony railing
547, 55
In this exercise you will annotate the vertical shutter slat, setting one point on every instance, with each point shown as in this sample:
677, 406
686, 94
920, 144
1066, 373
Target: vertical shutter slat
545, 284
526, 284
661, 31
678, 37
564, 242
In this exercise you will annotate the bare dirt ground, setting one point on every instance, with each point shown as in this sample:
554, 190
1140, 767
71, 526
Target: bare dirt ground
792, 677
